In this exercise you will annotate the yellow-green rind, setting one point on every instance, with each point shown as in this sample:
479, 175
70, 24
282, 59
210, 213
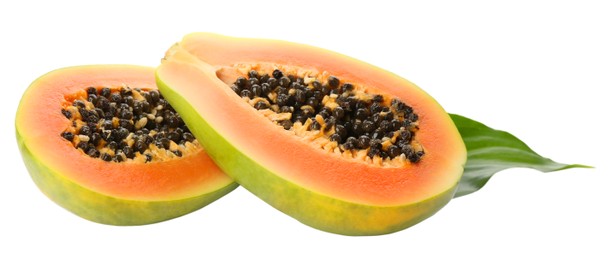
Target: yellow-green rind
104, 209
313, 209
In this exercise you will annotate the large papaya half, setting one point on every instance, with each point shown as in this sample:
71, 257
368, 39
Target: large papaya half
101, 142
338, 144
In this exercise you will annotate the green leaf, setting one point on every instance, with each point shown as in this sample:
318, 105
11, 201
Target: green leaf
490, 151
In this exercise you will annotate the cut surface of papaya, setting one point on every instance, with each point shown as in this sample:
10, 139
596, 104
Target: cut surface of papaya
100, 141
339, 144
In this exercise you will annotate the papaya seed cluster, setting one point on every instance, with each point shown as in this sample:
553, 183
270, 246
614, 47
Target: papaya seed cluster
340, 116
124, 124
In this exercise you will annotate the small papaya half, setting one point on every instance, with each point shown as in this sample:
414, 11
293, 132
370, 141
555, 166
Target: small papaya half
82, 132
338, 144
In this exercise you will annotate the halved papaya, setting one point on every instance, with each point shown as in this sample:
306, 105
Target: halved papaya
338, 144
78, 130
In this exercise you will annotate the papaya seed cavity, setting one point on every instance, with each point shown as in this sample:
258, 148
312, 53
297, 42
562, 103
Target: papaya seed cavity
122, 124
335, 115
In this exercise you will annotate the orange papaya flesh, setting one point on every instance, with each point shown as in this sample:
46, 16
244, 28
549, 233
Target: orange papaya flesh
117, 193
321, 189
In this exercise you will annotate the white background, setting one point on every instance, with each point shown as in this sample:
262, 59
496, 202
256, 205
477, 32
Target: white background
542, 70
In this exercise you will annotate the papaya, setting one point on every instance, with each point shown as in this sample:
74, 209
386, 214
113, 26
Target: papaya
103, 143
336, 143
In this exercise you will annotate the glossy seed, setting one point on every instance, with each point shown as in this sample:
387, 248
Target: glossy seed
325, 113
375, 108
174, 136
415, 157
251, 81
368, 126
300, 117
155, 96
241, 81
357, 128
396, 124
67, 113
317, 85
407, 150
329, 123
68, 136
79, 104
256, 90
99, 112
363, 142
146, 105
277, 74
96, 138
292, 78
347, 87
126, 114
112, 145
129, 100
123, 133
378, 133
126, 91
284, 81
286, 109
148, 140
393, 151
188, 137
282, 99
376, 118
264, 79
338, 112
85, 130
118, 158
315, 125
350, 143
373, 152
312, 102
333, 82
246, 93
287, 124
386, 125
307, 110
140, 146
265, 89
405, 136
106, 157
261, 105
105, 92
272, 82
165, 143
93, 153
335, 138
361, 114
128, 152
376, 144
236, 89
116, 98
92, 117
341, 131
83, 146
